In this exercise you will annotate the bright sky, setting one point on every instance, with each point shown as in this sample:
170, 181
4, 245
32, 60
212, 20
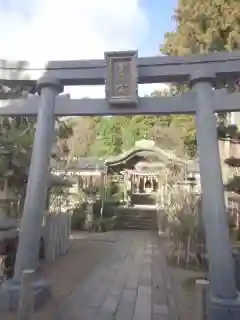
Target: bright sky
43, 30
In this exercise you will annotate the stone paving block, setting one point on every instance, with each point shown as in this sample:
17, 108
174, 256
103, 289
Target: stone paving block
173, 311
104, 316
78, 314
158, 283
158, 279
160, 309
98, 296
160, 317
110, 304
129, 285
135, 270
147, 254
145, 278
143, 304
158, 288
125, 311
147, 260
129, 295
88, 314
115, 290
120, 281
159, 295
167, 290
145, 274
145, 282
144, 290
132, 283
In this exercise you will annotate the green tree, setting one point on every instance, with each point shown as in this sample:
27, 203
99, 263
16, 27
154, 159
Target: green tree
204, 26
110, 135
175, 132
82, 137
16, 137
16, 141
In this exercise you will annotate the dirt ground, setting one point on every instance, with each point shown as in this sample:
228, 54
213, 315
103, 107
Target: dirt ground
183, 288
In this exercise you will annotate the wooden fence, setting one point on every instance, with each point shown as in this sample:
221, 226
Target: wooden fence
57, 233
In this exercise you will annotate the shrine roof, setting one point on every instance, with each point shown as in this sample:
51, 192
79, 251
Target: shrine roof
193, 166
81, 164
59, 181
233, 196
145, 149
141, 173
233, 184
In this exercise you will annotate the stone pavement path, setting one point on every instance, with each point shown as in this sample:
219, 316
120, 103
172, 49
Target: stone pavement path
131, 283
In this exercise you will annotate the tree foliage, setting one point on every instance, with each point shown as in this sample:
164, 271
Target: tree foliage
16, 137
204, 26
16, 142
105, 136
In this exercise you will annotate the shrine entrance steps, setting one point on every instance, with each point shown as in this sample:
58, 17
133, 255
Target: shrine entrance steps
138, 217
143, 199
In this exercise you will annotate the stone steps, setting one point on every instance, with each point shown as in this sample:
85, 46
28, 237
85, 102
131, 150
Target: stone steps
136, 219
144, 199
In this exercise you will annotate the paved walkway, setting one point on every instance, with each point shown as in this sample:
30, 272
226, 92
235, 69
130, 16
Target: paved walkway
131, 283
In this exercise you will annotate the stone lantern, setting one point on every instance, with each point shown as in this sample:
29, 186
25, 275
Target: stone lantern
90, 192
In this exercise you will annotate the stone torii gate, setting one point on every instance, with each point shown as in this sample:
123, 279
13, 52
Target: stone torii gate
121, 72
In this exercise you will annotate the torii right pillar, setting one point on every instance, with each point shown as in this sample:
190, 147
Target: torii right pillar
224, 297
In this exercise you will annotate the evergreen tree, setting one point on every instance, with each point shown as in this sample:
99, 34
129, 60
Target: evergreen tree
204, 26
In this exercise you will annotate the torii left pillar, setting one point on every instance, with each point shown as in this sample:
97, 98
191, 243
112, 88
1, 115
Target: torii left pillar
34, 206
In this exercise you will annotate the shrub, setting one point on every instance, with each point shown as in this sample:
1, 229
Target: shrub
184, 226
104, 224
108, 209
97, 209
78, 219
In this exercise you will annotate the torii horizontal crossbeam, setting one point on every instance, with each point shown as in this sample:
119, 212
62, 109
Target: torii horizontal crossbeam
150, 69
182, 104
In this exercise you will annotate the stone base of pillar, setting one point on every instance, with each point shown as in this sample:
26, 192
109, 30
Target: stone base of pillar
162, 234
88, 221
10, 291
223, 309
236, 258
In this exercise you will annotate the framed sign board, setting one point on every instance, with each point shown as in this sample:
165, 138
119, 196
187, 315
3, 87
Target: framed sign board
122, 78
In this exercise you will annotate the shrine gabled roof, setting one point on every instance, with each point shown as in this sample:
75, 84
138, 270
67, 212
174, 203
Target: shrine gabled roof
233, 184
162, 155
59, 181
88, 163
193, 166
